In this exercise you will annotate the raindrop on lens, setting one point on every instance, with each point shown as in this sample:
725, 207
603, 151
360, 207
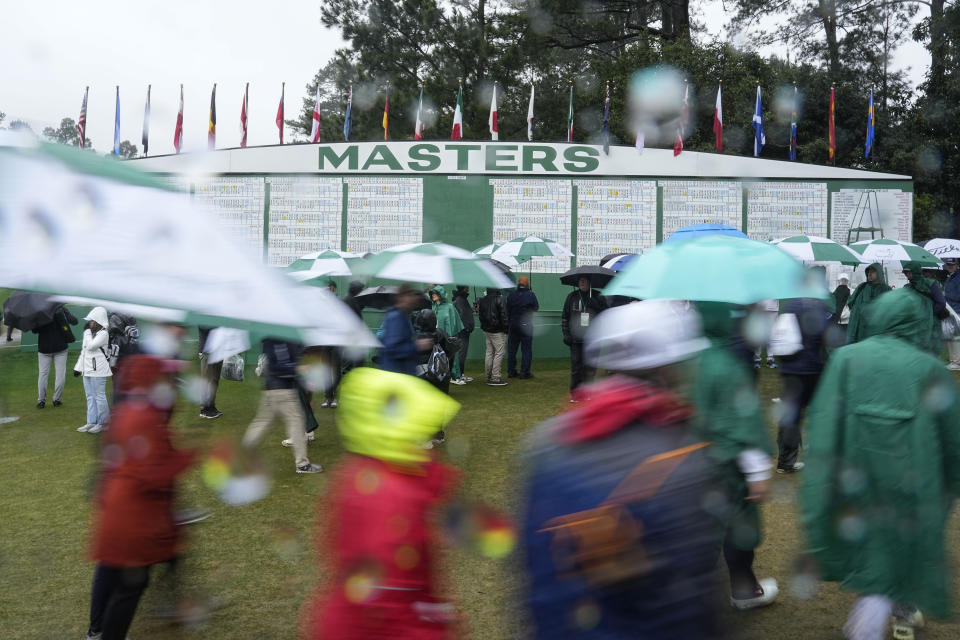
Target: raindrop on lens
852, 527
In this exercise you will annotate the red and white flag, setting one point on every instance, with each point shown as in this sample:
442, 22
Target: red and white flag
280, 112
243, 116
418, 127
457, 132
684, 118
317, 122
718, 122
82, 122
492, 120
178, 130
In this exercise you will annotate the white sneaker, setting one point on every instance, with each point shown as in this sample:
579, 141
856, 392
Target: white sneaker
770, 592
84, 428
287, 442
953, 367
95, 428
467, 379
459, 381
311, 436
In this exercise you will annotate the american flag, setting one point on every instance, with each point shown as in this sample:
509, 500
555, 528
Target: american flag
243, 117
178, 130
82, 123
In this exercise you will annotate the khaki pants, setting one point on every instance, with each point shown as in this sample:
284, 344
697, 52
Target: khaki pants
493, 359
59, 361
276, 403
953, 348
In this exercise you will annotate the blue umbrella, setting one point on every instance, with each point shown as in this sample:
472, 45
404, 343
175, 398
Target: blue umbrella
704, 229
617, 261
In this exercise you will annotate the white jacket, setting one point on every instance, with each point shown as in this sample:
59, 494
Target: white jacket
92, 362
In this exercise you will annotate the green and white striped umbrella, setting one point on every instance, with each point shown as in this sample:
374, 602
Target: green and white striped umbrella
434, 263
316, 267
531, 247
816, 250
885, 250
488, 250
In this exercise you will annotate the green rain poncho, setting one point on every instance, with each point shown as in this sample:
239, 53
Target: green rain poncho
932, 331
448, 321
729, 415
883, 462
860, 299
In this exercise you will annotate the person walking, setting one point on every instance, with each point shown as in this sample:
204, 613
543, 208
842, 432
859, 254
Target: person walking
860, 300
617, 532
951, 291
462, 304
932, 295
280, 399
522, 303
883, 470
210, 373
95, 369
53, 339
399, 352
134, 525
799, 373
448, 321
579, 309
492, 311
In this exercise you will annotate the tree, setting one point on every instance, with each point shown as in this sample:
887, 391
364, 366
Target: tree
66, 133
128, 149
20, 125
3, 117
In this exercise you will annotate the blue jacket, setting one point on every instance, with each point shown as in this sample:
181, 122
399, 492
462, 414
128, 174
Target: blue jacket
951, 290
282, 359
814, 317
521, 303
399, 353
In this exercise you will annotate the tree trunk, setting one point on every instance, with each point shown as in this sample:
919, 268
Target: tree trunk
675, 19
938, 49
828, 15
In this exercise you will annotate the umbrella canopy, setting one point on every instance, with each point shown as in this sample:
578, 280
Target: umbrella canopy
522, 249
704, 229
716, 268
434, 263
27, 311
816, 250
487, 251
886, 250
315, 268
943, 247
598, 276
617, 261
382, 297
76, 224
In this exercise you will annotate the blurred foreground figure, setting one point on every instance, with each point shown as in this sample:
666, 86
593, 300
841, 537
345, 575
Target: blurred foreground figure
134, 523
860, 300
883, 466
381, 543
618, 540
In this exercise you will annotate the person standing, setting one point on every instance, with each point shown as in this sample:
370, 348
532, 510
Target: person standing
618, 536
522, 303
492, 311
280, 399
334, 361
95, 369
800, 373
448, 321
951, 291
840, 296
210, 373
351, 298
399, 352
579, 309
860, 301
770, 310
53, 339
883, 469
934, 301
463, 307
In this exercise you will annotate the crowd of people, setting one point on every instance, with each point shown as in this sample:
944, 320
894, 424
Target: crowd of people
631, 496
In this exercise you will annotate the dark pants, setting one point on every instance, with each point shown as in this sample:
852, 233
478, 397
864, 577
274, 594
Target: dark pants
743, 582
9, 333
462, 353
519, 336
210, 372
580, 372
114, 599
794, 398
334, 361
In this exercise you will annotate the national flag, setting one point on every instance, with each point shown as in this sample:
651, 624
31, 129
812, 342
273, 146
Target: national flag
418, 127
831, 132
871, 119
283, 90
759, 137
605, 130
640, 140
530, 116
317, 121
793, 127
684, 119
492, 120
178, 130
386, 114
346, 118
82, 122
212, 125
457, 132
243, 116
145, 138
570, 116
718, 121
116, 126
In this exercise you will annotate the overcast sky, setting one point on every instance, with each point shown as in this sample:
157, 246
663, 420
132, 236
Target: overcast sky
51, 49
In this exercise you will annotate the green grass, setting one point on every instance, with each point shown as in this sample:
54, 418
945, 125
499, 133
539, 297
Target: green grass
260, 559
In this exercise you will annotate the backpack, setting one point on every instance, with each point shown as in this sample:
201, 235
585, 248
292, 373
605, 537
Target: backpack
436, 369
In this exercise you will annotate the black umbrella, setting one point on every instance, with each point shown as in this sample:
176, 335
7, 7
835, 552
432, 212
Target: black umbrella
599, 277
27, 311
382, 297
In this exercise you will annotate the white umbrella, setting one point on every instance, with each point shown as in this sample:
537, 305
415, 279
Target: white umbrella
886, 250
943, 247
531, 247
487, 251
75, 224
435, 263
321, 264
815, 250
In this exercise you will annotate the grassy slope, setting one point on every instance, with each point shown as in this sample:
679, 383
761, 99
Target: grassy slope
260, 558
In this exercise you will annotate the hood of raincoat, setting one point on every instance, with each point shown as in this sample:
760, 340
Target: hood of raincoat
902, 315
99, 315
441, 291
919, 282
881, 280
721, 319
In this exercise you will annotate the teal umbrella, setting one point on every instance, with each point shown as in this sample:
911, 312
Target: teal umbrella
716, 268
